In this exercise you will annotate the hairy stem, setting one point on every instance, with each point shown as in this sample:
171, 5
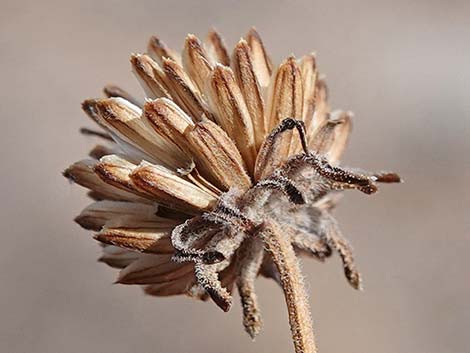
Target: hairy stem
278, 244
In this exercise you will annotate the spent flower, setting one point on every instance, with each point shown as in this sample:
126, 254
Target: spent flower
228, 170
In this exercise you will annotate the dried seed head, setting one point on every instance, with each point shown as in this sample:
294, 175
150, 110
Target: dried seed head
220, 176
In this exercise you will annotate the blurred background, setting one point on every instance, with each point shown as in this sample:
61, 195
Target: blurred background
401, 66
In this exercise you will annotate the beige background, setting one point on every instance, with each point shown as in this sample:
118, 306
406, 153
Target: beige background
402, 67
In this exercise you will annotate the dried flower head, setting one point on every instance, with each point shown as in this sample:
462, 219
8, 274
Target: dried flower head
229, 170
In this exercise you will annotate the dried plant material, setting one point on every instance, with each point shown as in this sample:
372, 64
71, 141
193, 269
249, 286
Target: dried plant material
116, 257
207, 188
83, 173
331, 137
285, 100
186, 94
116, 171
149, 269
118, 214
232, 113
245, 74
150, 76
283, 255
322, 109
261, 60
158, 51
96, 133
113, 91
148, 240
178, 286
216, 156
124, 120
100, 151
216, 50
308, 67
171, 190
273, 150
250, 261
196, 62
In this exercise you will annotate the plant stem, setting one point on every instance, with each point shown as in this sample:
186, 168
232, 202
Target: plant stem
285, 259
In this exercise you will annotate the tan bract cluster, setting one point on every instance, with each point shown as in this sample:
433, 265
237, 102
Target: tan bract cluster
227, 171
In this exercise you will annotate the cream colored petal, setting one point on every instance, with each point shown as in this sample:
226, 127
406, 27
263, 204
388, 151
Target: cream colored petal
125, 121
152, 269
171, 190
149, 240
185, 92
215, 154
196, 61
245, 74
113, 91
82, 173
216, 50
150, 76
158, 50
232, 114
261, 61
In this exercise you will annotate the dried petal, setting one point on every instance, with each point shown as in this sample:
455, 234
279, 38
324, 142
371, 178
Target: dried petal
100, 151
322, 109
150, 76
150, 240
125, 121
115, 171
118, 257
196, 62
285, 100
261, 61
122, 214
158, 51
152, 269
168, 120
171, 190
330, 139
181, 285
216, 49
232, 113
82, 173
215, 154
219, 159
113, 91
185, 92
245, 74
308, 67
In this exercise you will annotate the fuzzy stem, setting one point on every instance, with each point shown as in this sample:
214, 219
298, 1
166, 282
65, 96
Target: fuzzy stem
283, 255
